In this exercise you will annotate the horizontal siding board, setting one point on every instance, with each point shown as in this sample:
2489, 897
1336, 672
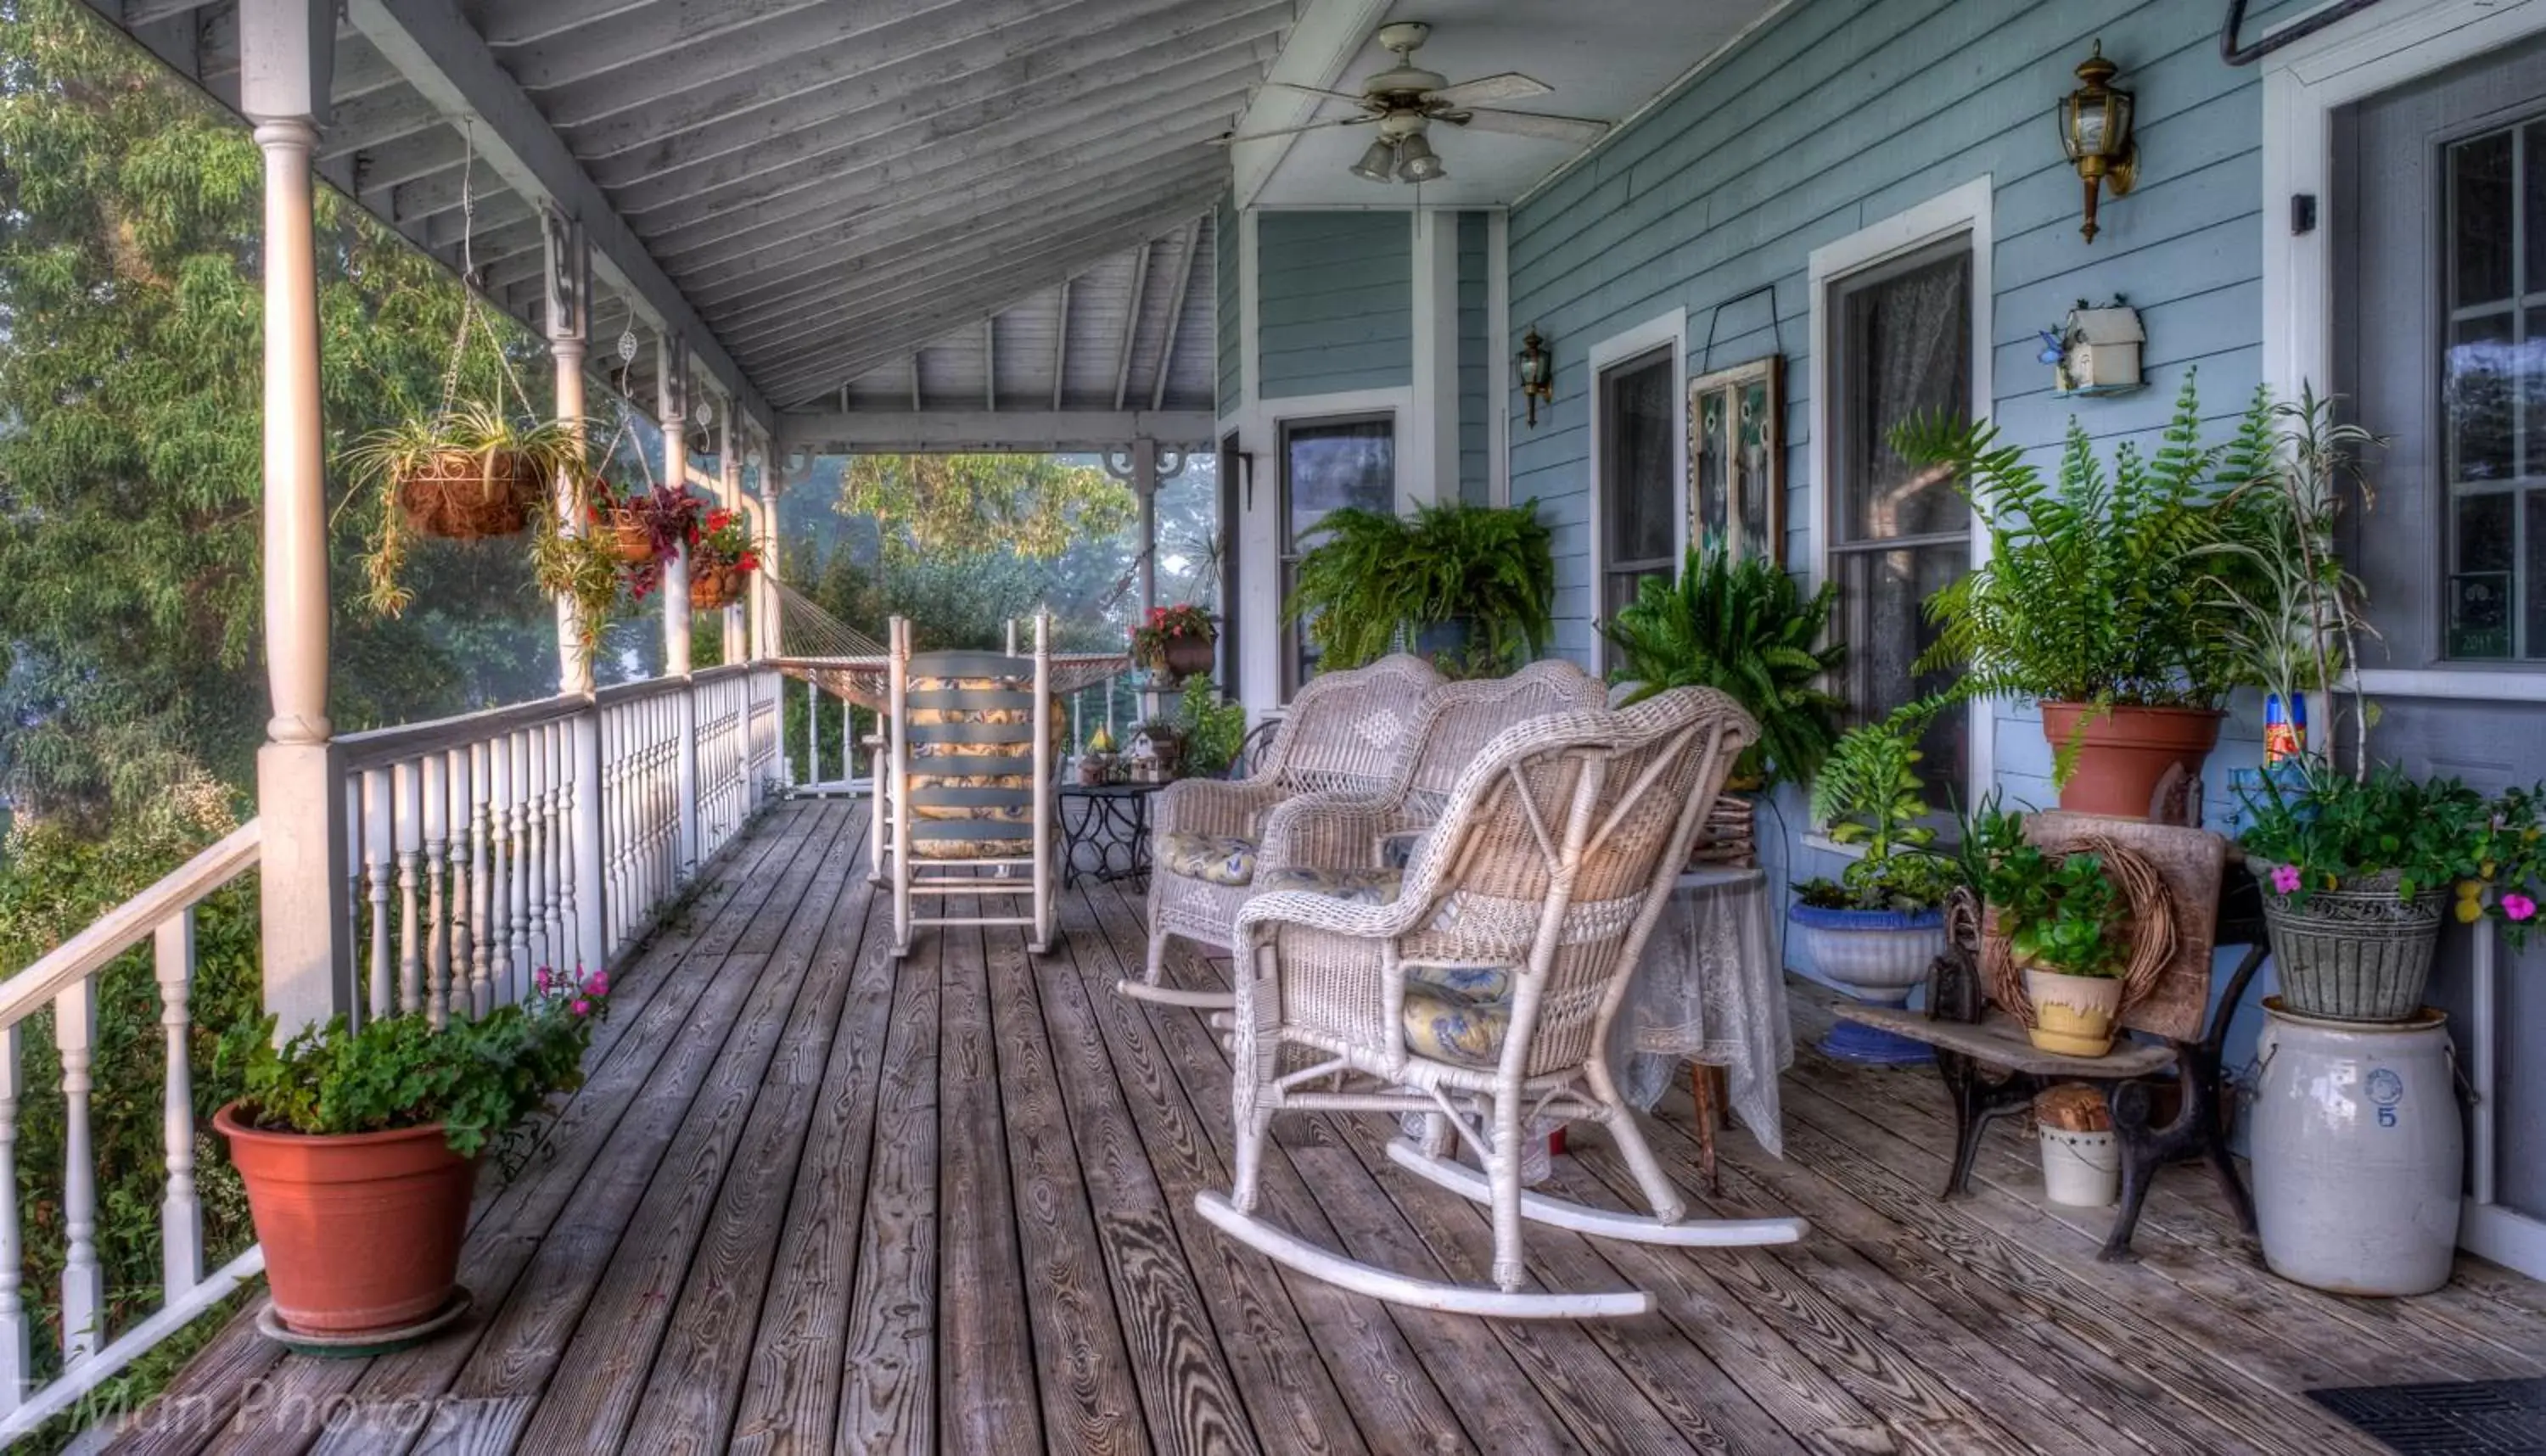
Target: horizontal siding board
1335, 300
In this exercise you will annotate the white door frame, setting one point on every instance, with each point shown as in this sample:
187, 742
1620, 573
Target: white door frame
2304, 85
1662, 329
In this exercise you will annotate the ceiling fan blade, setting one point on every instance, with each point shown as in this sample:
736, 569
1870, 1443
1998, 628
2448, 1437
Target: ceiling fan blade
1355, 97
1509, 86
1233, 138
1574, 130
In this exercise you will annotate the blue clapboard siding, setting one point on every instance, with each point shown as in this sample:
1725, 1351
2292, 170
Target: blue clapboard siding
1845, 112
1334, 302
1224, 244
1475, 364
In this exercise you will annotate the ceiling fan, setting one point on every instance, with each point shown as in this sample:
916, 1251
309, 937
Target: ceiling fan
1404, 100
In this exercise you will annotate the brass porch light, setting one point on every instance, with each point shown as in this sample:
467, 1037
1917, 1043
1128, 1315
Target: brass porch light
1537, 374
2096, 130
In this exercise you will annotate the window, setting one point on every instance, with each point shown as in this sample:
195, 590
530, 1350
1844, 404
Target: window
1326, 466
1639, 474
1900, 345
2492, 393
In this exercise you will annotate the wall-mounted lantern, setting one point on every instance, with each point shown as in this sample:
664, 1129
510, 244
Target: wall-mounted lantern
1537, 374
2096, 130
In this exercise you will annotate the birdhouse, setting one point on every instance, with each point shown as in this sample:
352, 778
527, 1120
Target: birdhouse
2103, 351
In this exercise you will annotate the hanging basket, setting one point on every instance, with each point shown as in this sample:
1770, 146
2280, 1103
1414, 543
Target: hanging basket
628, 537
471, 495
2354, 954
714, 588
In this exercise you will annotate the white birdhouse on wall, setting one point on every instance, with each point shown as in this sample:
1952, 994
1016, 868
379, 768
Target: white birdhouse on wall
2099, 350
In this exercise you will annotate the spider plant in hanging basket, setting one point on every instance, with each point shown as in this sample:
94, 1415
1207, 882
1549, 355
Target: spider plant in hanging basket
584, 568
466, 473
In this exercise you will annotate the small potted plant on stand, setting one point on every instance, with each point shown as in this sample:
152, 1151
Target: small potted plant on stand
2061, 921
2092, 600
1176, 642
1874, 932
1744, 628
721, 558
359, 1152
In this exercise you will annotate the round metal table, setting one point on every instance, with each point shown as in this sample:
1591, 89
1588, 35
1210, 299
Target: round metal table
1112, 821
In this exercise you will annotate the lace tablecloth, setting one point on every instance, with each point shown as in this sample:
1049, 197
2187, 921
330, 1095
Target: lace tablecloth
1711, 989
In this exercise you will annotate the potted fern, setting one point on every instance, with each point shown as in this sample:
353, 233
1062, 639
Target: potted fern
2094, 600
1740, 625
1474, 586
1874, 931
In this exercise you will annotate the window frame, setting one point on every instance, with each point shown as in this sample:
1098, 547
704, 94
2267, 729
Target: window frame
1965, 211
1286, 549
1625, 348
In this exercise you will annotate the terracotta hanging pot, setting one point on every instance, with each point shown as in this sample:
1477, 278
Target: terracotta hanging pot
629, 538
2124, 752
714, 588
362, 1231
471, 495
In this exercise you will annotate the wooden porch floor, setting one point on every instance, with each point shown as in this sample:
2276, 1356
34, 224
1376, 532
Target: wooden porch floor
812, 1200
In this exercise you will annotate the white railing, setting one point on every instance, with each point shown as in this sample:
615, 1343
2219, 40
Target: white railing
477, 850
66, 982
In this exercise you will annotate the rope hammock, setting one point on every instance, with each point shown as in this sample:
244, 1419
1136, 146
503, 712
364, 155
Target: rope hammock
847, 663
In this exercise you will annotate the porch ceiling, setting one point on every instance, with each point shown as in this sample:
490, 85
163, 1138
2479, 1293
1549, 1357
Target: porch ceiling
810, 193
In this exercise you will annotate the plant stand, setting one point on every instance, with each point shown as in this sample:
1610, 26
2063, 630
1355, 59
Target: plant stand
1966, 1042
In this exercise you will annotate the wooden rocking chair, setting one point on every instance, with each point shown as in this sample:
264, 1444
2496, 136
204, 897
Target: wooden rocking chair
1479, 990
969, 750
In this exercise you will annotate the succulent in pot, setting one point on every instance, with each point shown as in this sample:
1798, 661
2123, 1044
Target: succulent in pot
360, 1146
1874, 931
2065, 923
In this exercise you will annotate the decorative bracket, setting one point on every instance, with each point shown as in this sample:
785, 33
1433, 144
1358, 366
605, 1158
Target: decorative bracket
570, 278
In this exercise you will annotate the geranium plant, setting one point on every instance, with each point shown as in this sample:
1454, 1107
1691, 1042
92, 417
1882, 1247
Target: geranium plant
1163, 625
2317, 829
482, 1079
2060, 913
723, 542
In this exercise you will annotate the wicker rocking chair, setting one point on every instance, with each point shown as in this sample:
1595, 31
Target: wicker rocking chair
970, 740
1346, 733
1482, 991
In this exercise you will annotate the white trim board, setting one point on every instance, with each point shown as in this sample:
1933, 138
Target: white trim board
1435, 417
1968, 208
1667, 328
1498, 350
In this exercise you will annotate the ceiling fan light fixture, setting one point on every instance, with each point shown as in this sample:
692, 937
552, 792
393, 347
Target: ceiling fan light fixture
1417, 162
1378, 162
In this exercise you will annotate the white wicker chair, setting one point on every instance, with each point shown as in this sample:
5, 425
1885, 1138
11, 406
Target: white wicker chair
970, 767
1480, 988
1345, 732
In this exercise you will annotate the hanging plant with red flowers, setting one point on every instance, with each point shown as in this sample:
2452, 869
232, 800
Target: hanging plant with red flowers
721, 553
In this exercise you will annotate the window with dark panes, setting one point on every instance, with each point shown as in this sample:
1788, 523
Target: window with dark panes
1638, 468
2492, 393
1326, 466
1900, 348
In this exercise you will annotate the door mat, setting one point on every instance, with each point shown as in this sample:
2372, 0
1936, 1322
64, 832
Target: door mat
2472, 1418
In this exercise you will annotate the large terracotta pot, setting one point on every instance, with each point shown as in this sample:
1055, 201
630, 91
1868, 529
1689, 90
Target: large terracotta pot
362, 1231
2126, 751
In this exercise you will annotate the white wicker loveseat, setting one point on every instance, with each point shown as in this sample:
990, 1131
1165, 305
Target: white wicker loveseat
1480, 988
1346, 733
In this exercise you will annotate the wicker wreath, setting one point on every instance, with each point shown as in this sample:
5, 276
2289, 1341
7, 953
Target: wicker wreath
2152, 909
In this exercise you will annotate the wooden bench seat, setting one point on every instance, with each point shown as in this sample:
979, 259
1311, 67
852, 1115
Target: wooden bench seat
1999, 1040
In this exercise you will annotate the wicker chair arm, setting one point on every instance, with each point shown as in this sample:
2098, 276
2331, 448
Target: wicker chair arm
1212, 806
1264, 914
1327, 832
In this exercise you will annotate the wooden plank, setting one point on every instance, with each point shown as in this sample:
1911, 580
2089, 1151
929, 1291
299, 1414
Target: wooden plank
888, 1398
692, 1394
1186, 1390
986, 1357
1295, 1404
1088, 1399
791, 1391
593, 1392
303, 1392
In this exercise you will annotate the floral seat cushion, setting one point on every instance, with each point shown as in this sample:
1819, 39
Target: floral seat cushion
1458, 1013
939, 765
1216, 859
1360, 887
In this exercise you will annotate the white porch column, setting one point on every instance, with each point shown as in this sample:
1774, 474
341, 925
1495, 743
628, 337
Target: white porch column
736, 644
287, 58
569, 327
1144, 484
672, 408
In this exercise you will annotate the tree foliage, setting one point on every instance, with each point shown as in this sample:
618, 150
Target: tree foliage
131, 604
953, 506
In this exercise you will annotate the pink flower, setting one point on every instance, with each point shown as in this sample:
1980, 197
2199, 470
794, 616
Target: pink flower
540, 978
2518, 906
2285, 879
598, 985
581, 1007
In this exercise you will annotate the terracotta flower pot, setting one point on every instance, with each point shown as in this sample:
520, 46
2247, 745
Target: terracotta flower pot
714, 588
2125, 752
629, 541
362, 1231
